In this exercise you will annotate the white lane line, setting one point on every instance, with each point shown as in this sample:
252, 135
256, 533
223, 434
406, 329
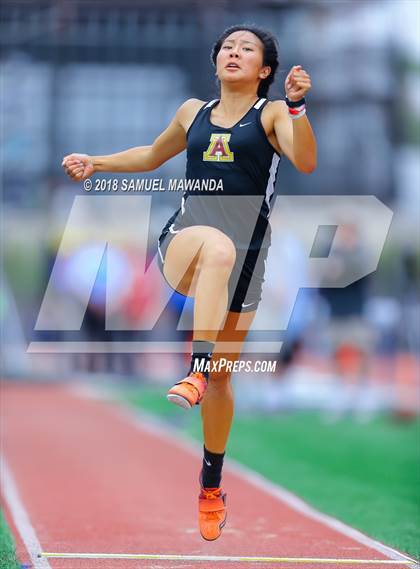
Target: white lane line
20, 516
302, 507
154, 426
223, 558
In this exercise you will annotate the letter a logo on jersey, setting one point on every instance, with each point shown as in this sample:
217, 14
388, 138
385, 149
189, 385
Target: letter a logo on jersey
218, 150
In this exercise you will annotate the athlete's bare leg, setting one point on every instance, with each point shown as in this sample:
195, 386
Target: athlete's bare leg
198, 263
217, 405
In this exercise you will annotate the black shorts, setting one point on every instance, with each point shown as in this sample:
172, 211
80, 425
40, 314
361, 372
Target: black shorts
246, 279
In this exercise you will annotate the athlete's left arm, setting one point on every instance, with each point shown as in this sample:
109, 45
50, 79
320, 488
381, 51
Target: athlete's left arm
296, 137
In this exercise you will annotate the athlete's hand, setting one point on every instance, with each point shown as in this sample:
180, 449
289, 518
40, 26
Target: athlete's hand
297, 83
78, 166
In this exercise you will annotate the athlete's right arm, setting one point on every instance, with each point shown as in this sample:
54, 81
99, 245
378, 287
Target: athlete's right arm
170, 142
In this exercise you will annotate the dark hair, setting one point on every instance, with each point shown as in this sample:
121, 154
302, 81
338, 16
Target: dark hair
270, 54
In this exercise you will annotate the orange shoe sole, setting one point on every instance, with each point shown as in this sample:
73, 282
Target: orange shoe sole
179, 400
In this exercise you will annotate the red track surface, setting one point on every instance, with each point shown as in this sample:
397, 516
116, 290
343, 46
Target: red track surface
93, 482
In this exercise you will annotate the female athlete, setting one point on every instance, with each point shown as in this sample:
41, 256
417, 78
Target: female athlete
214, 247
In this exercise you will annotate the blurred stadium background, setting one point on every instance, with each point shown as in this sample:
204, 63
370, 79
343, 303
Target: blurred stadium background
101, 76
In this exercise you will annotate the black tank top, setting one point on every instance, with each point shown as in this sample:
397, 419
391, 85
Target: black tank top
242, 161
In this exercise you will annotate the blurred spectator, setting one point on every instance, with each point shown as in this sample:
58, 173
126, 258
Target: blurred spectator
348, 334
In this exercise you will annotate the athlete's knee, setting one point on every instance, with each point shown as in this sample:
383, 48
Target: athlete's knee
219, 253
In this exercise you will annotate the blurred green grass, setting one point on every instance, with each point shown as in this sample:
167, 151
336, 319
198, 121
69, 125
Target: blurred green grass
7, 549
366, 475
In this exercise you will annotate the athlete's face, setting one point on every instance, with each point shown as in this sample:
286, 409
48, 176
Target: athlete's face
240, 58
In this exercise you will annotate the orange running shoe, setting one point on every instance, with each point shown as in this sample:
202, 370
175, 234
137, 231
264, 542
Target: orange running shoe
188, 391
211, 512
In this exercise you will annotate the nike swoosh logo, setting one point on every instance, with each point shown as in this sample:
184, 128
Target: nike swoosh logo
244, 124
172, 230
245, 305
207, 462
